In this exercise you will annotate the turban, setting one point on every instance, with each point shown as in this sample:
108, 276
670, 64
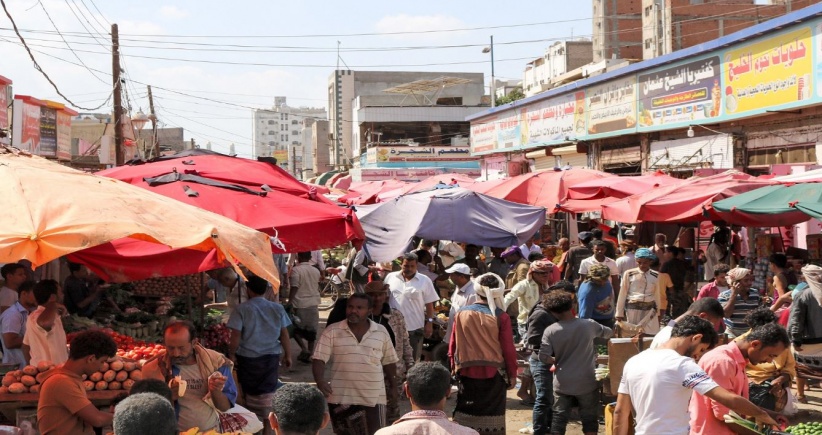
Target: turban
645, 253
492, 294
510, 251
813, 276
541, 266
599, 271
738, 273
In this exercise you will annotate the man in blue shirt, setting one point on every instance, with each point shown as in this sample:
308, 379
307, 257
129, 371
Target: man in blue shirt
254, 348
596, 296
13, 324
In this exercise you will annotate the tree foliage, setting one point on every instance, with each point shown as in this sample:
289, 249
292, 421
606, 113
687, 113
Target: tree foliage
512, 96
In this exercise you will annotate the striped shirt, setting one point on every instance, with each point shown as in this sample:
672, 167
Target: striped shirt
736, 325
356, 366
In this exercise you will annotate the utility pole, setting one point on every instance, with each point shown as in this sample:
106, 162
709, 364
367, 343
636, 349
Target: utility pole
155, 144
294, 161
118, 97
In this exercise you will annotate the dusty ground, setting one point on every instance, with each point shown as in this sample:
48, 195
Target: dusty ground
518, 416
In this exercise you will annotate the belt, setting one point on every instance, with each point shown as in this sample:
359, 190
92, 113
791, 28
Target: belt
642, 306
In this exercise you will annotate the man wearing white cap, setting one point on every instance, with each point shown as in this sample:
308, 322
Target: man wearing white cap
463, 296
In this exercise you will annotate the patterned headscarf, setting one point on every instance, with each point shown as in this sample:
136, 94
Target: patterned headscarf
541, 266
492, 294
813, 276
599, 272
737, 274
644, 253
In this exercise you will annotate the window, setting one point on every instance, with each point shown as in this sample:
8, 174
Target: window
295, 143
294, 121
271, 132
282, 138
295, 132
271, 122
272, 143
648, 43
286, 117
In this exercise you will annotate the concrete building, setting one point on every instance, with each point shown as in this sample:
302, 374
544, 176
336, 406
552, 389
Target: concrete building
397, 108
320, 148
644, 29
671, 25
171, 140
278, 133
559, 59
408, 125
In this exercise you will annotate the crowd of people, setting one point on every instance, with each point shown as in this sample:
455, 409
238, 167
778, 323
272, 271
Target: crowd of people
515, 317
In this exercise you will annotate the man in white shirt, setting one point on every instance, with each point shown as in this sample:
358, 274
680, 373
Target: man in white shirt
413, 294
627, 261
599, 248
463, 296
529, 247
304, 297
450, 252
45, 338
657, 384
14, 274
706, 308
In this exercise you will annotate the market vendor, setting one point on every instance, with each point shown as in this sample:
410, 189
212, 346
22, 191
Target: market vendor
82, 294
207, 375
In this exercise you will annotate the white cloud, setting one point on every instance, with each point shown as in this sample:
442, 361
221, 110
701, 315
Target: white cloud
418, 23
173, 12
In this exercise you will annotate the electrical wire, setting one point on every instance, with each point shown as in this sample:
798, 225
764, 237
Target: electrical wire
102, 26
84, 26
67, 44
40, 69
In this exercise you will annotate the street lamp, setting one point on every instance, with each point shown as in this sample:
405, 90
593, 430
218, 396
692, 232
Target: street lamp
139, 120
490, 49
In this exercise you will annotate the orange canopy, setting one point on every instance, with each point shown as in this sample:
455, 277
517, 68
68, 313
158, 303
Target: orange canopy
50, 210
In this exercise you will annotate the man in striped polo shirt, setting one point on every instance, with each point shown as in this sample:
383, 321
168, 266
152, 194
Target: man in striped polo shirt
361, 355
740, 300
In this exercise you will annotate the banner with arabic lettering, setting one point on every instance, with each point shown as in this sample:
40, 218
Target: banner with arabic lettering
768, 74
405, 153
611, 107
556, 120
483, 135
680, 95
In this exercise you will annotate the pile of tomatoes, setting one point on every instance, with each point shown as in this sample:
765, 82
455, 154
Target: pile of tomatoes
128, 347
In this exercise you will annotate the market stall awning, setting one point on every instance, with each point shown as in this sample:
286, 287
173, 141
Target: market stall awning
433, 182
543, 188
689, 201
50, 210
367, 192
773, 206
620, 187
802, 177
300, 224
235, 170
446, 214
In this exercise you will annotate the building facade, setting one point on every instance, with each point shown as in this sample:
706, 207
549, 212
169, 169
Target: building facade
405, 125
278, 132
560, 58
644, 29
750, 101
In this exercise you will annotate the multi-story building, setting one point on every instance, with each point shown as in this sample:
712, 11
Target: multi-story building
559, 59
644, 29
320, 149
405, 125
278, 133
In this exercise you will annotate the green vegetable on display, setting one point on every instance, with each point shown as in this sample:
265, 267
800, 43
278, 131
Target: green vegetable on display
814, 428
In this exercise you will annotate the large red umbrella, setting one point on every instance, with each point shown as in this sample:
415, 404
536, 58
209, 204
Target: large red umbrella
592, 195
301, 225
689, 201
544, 188
234, 170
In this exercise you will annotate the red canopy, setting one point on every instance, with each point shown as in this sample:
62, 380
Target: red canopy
620, 187
235, 170
127, 260
688, 201
429, 183
592, 195
544, 188
367, 192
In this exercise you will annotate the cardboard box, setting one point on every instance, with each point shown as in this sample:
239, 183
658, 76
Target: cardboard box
619, 351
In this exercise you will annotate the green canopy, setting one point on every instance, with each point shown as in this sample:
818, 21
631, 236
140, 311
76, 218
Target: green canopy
773, 206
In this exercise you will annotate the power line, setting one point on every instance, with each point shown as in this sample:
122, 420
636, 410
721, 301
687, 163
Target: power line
102, 26
39, 68
81, 23
67, 44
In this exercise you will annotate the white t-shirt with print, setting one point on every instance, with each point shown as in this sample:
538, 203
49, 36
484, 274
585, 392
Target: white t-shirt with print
660, 383
590, 261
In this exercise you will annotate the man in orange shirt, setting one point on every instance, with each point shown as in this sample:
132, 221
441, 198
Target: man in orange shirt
63, 406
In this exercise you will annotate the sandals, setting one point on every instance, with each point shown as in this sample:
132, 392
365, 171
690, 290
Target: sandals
802, 399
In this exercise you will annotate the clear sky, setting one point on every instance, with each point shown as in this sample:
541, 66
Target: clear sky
238, 55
